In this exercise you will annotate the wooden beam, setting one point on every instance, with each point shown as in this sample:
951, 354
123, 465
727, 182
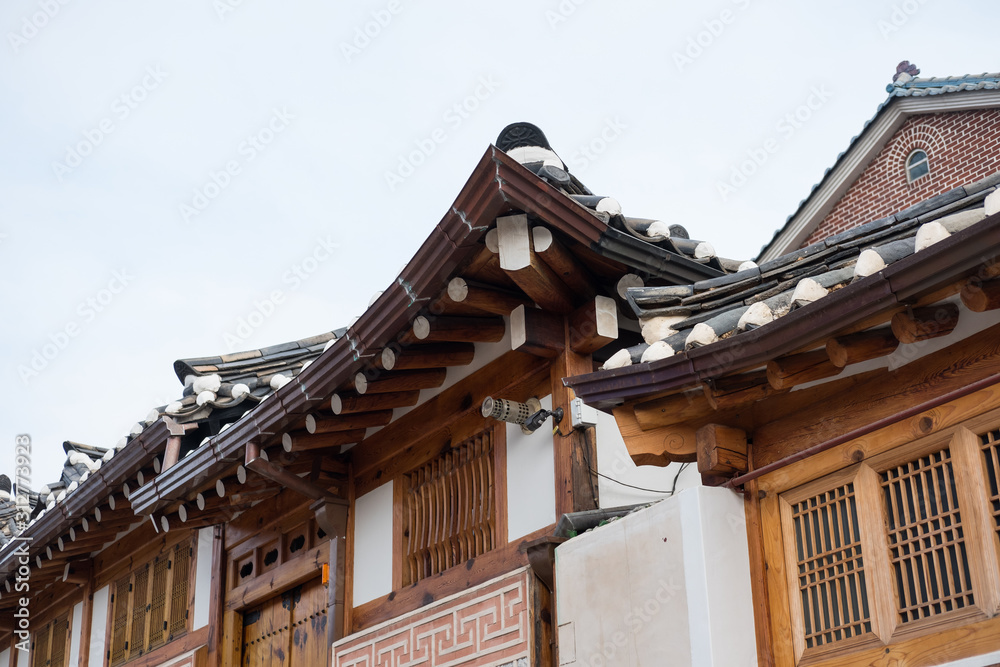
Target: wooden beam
304, 442
674, 409
562, 262
659, 447
531, 274
303, 568
536, 332
397, 381
485, 299
862, 346
980, 296
918, 324
416, 357
795, 369
346, 404
722, 450
593, 325
431, 329
736, 391
320, 424
485, 268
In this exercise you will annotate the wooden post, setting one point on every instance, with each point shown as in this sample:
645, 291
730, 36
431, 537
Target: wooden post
575, 450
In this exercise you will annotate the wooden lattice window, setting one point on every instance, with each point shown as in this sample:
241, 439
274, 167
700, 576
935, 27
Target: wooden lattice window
51, 643
448, 509
149, 606
990, 442
892, 548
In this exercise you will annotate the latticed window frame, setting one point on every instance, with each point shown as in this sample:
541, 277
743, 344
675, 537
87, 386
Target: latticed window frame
469, 534
50, 644
980, 527
137, 610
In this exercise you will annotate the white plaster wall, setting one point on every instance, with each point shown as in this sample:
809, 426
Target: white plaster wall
99, 626
202, 578
75, 632
613, 461
637, 591
5, 657
531, 474
373, 544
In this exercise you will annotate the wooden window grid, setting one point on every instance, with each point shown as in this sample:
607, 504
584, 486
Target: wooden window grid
50, 643
149, 606
448, 509
894, 547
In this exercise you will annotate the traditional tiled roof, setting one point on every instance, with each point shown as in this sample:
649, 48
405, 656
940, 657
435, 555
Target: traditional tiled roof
679, 318
241, 379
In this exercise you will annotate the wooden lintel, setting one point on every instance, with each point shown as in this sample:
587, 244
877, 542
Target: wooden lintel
416, 357
442, 329
674, 409
304, 442
795, 369
659, 447
489, 300
536, 332
918, 324
722, 450
562, 262
320, 424
533, 276
388, 382
980, 296
861, 346
346, 404
593, 325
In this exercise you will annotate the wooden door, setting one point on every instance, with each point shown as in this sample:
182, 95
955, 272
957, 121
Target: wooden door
288, 630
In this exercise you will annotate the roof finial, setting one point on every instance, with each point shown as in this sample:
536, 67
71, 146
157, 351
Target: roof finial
904, 72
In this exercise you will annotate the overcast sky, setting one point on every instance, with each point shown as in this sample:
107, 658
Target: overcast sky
169, 168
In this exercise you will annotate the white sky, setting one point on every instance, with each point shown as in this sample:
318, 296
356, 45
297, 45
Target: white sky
333, 116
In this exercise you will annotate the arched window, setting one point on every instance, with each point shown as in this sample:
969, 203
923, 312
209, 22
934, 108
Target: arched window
917, 166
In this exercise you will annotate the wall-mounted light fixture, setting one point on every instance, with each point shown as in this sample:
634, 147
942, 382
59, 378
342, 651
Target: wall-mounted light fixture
529, 415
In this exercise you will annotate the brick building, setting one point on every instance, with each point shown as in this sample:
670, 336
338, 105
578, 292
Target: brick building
930, 136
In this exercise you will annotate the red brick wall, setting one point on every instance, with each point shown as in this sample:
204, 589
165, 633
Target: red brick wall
962, 147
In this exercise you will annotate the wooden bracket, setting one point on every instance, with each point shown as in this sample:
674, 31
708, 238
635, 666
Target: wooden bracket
722, 450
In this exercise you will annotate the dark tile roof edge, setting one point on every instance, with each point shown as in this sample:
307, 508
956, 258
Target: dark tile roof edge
897, 282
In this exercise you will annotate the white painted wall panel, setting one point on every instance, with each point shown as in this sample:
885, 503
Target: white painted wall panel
203, 578
637, 591
75, 632
614, 462
373, 544
99, 626
531, 495
5, 657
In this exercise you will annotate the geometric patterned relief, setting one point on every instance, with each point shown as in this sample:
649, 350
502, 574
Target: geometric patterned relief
482, 627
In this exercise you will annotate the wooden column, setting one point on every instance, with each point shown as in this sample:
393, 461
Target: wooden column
575, 450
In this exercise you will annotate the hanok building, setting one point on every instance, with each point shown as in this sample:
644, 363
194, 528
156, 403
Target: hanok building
419, 487
367, 496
